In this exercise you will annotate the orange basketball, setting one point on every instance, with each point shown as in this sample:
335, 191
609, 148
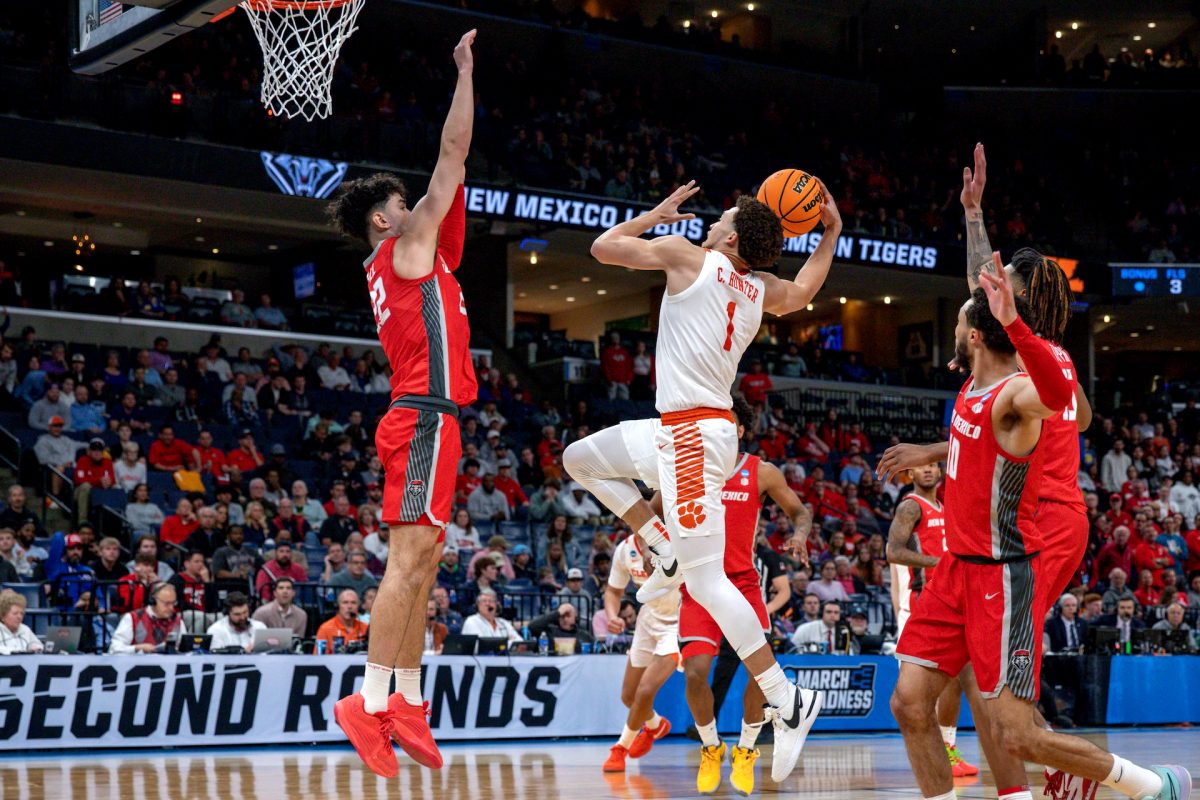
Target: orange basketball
796, 197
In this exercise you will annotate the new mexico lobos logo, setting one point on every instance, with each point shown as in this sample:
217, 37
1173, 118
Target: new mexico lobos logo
416, 487
1020, 660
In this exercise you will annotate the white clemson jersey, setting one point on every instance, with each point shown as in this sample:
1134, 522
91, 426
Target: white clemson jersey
628, 565
703, 332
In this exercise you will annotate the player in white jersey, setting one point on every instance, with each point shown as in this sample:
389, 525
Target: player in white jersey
712, 309
653, 655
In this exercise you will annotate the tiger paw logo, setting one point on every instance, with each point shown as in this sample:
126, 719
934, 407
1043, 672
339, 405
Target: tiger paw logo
1020, 660
691, 515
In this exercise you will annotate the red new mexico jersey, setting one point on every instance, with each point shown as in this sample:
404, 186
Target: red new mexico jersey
423, 329
1060, 441
740, 497
991, 496
930, 530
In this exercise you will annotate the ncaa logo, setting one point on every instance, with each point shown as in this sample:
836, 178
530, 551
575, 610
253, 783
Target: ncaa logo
416, 487
1020, 660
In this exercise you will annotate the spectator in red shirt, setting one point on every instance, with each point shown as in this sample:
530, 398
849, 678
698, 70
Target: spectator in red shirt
1117, 514
507, 485
755, 384
1192, 538
212, 459
1117, 554
467, 482
1151, 556
190, 585
773, 446
831, 431
549, 442
856, 436
179, 526
827, 503
281, 566
170, 454
133, 589
245, 459
616, 363
93, 469
1147, 593
810, 445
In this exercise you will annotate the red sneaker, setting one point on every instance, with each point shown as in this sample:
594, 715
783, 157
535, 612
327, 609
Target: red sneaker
616, 759
647, 737
410, 730
369, 733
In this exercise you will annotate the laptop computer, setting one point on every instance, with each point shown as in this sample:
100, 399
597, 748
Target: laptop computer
459, 644
63, 639
194, 641
491, 646
273, 640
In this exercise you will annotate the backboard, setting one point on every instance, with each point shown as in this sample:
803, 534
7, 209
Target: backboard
105, 34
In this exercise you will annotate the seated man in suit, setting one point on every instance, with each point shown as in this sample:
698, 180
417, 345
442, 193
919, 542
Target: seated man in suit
1066, 632
1123, 620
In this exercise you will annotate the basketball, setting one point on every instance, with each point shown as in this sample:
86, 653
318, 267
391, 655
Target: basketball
796, 197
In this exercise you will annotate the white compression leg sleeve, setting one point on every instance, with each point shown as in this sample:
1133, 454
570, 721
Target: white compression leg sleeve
601, 463
708, 585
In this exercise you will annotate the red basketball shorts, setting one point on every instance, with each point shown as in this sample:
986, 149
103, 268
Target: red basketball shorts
699, 633
987, 614
420, 452
1064, 529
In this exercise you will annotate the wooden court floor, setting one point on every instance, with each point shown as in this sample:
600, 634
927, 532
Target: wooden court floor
832, 768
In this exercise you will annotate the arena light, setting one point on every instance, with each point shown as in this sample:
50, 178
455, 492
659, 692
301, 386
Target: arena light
1058, 34
135, 252
1149, 327
750, 7
20, 212
79, 267
1105, 348
1107, 318
585, 279
272, 247
1134, 335
715, 14
522, 294
118, 224
1074, 26
553, 287
887, 300
1137, 38
176, 98
810, 306
199, 238
1154, 25
533, 259
48, 243
570, 299
216, 251
602, 291
1177, 348
199, 220
842, 300
687, 23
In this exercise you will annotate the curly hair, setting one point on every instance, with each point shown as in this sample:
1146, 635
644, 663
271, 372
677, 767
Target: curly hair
759, 231
355, 201
743, 413
1048, 291
980, 317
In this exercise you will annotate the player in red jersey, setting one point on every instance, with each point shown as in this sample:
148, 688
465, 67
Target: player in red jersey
422, 322
992, 576
915, 546
1061, 515
699, 634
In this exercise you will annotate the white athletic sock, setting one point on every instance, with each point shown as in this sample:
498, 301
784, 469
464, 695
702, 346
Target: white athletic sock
776, 688
750, 731
654, 721
1023, 793
1131, 780
708, 734
947, 796
408, 684
655, 534
377, 682
627, 736
949, 734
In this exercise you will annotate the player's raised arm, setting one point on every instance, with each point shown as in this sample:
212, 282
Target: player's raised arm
784, 297
899, 548
774, 485
450, 170
622, 245
979, 249
901, 457
1050, 386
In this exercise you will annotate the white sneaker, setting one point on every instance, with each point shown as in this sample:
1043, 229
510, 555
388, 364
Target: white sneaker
791, 728
666, 576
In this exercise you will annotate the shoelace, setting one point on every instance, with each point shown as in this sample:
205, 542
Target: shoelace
710, 753
955, 758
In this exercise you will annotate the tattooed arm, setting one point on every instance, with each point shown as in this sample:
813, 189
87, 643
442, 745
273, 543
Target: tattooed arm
979, 249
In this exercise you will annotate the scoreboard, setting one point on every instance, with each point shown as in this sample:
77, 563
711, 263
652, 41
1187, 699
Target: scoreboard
1156, 280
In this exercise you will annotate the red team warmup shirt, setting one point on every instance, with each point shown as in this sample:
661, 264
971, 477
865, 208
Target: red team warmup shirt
88, 471
424, 332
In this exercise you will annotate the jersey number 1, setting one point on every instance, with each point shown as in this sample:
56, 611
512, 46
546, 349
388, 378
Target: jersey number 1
729, 330
379, 303
1071, 412
952, 459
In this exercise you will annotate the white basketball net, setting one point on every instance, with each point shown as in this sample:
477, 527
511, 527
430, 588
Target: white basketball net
300, 43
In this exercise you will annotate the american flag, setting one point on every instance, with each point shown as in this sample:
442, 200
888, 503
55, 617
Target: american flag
109, 10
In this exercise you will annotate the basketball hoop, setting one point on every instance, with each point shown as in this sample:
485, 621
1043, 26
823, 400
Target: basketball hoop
300, 43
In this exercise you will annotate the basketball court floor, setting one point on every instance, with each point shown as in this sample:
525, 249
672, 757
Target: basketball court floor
833, 767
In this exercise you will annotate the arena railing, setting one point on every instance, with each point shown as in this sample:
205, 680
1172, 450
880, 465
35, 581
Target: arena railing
66, 501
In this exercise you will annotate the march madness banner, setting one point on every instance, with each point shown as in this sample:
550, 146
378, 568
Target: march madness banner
165, 701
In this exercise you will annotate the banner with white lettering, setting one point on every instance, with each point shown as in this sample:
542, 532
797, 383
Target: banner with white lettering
163, 701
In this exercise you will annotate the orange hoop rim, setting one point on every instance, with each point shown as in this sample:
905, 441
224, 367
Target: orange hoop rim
298, 5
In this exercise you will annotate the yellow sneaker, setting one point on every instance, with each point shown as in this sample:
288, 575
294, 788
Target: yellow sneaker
742, 776
709, 776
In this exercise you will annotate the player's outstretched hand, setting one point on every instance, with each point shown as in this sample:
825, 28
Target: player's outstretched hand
972, 191
831, 218
999, 290
616, 626
668, 209
900, 457
464, 59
